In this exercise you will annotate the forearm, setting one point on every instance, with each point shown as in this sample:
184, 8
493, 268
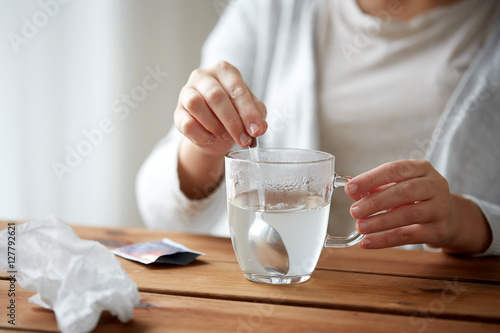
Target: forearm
474, 234
199, 173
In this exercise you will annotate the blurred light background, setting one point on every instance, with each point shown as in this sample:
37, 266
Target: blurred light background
85, 95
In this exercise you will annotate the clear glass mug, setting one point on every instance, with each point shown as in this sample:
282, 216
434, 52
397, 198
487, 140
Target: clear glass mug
286, 197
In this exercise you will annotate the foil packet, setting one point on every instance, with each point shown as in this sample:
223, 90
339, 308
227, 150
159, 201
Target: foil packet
165, 251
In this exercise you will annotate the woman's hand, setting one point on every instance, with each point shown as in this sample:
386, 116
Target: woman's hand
409, 202
217, 109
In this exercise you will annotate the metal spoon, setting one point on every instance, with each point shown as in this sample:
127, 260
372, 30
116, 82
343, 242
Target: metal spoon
268, 247
265, 242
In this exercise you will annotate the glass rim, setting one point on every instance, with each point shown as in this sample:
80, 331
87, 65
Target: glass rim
327, 156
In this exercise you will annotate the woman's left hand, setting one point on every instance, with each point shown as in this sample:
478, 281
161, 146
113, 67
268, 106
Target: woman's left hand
403, 202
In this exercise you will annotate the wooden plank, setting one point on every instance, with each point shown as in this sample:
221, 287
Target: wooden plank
388, 261
354, 259
330, 289
414, 263
216, 248
168, 313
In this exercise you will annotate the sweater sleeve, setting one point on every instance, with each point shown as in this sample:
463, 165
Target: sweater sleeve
233, 39
164, 206
464, 146
492, 213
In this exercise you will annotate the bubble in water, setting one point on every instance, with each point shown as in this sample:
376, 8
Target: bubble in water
278, 206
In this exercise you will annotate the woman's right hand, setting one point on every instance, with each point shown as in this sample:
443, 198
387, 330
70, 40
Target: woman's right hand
217, 109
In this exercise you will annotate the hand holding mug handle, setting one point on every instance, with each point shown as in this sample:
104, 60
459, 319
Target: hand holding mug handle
343, 241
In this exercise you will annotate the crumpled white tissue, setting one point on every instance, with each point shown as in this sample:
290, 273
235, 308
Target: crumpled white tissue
76, 278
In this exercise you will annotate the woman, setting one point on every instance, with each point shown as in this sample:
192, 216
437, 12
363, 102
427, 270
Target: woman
369, 81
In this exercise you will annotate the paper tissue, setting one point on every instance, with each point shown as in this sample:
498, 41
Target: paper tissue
76, 278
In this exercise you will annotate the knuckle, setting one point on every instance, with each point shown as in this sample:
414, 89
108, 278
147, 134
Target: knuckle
188, 127
225, 66
370, 179
421, 163
399, 169
215, 127
237, 91
392, 171
383, 222
424, 166
376, 203
215, 95
415, 213
407, 190
193, 102
196, 74
232, 122
403, 235
385, 240
428, 185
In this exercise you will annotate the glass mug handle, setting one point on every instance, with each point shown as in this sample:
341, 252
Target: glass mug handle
353, 238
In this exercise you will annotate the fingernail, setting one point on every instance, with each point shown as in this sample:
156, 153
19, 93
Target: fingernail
225, 135
362, 227
355, 211
244, 139
254, 128
352, 188
366, 243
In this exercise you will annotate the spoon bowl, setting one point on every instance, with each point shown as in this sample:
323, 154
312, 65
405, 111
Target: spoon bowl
268, 247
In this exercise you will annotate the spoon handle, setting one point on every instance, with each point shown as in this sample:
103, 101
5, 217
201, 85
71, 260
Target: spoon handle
255, 157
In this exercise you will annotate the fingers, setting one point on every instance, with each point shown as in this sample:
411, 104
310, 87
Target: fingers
220, 106
199, 110
392, 172
418, 213
412, 234
219, 100
400, 194
261, 108
192, 129
403, 202
242, 99
436, 234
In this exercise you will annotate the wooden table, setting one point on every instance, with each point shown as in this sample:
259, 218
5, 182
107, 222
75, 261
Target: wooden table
351, 290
